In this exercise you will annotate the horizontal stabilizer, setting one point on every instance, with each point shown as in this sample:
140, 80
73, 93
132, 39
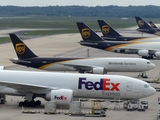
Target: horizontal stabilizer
19, 61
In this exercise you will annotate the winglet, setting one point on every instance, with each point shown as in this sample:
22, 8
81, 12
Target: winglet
107, 30
87, 33
22, 51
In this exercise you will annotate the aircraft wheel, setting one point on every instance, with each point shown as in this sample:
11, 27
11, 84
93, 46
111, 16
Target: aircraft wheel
2, 102
81, 71
26, 103
144, 57
21, 104
38, 102
150, 57
145, 76
33, 104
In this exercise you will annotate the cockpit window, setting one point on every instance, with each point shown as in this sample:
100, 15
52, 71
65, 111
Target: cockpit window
148, 62
146, 86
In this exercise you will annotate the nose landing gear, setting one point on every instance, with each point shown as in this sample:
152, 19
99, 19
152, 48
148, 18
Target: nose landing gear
148, 57
143, 75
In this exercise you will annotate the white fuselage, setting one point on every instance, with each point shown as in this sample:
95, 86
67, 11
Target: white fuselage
133, 47
149, 39
83, 85
109, 64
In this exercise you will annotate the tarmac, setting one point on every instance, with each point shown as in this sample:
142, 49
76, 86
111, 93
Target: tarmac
66, 45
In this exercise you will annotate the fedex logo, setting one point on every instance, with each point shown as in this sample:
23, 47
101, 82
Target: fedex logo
104, 84
60, 98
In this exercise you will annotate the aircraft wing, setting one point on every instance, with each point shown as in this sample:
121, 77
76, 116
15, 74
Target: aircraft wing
80, 66
23, 87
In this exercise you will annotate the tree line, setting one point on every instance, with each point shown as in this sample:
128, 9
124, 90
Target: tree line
149, 11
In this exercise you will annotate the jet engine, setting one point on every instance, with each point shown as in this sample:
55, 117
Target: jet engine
98, 70
142, 52
61, 96
157, 54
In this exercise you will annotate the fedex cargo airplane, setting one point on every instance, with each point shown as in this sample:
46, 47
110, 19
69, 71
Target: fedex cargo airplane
91, 65
63, 87
147, 50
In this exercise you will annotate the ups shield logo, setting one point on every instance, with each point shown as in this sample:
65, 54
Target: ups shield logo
152, 25
85, 33
105, 29
20, 48
140, 23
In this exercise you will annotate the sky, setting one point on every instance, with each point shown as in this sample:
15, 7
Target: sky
78, 2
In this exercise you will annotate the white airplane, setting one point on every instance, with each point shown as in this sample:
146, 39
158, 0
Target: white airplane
147, 50
91, 65
63, 87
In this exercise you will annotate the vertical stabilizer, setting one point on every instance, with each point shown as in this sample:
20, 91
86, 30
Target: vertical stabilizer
22, 51
106, 29
87, 33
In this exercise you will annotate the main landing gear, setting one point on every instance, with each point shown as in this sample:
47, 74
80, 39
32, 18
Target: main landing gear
143, 75
148, 57
32, 103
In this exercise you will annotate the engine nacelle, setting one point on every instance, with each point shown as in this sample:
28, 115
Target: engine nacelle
157, 54
143, 53
98, 70
61, 96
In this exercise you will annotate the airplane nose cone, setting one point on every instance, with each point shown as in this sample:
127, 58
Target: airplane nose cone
153, 91
152, 66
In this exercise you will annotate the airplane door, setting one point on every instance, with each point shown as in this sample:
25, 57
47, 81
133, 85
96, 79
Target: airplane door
129, 86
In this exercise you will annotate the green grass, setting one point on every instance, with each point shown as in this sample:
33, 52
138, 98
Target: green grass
64, 22
5, 39
47, 32
59, 22
68, 23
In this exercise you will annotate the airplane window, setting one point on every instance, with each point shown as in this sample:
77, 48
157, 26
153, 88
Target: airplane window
146, 86
148, 62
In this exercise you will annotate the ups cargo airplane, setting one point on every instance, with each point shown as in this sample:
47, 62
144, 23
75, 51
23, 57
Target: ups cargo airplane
109, 33
63, 87
144, 27
145, 49
92, 65
153, 25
